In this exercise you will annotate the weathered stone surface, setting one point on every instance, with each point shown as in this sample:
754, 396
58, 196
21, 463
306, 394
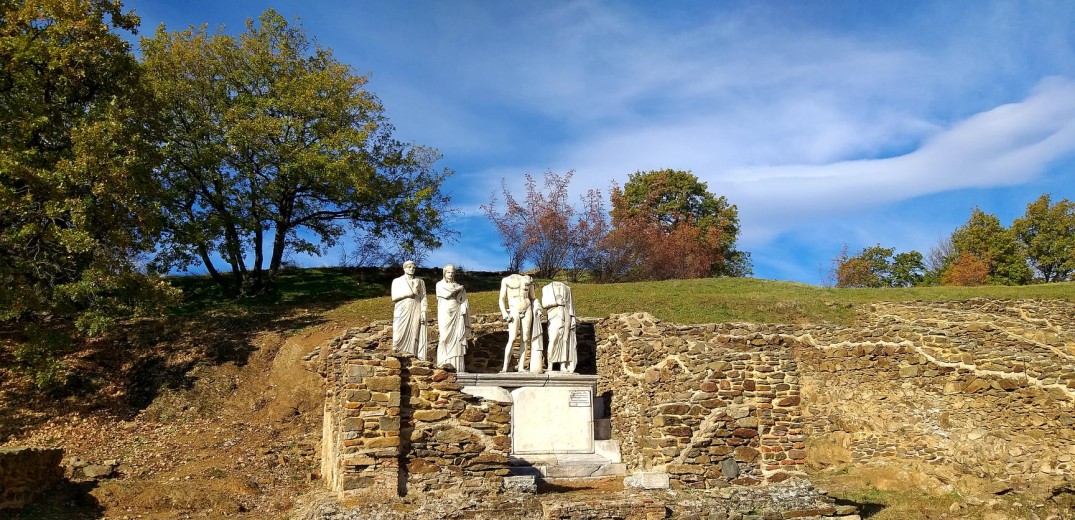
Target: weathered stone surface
729, 468
382, 442
520, 484
746, 454
382, 384
25, 473
649, 480
430, 415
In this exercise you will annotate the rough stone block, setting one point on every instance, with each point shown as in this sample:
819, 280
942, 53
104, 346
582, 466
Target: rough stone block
430, 415
520, 483
353, 424
382, 442
356, 373
729, 468
685, 469
651, 480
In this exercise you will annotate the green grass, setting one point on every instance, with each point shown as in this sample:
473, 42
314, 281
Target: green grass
712, 300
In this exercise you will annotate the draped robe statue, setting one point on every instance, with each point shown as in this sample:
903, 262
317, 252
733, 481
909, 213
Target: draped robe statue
409, 315
560, 309
453, 319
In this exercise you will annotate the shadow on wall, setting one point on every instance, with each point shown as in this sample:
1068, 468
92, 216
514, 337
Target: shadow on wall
65, 500
486, 356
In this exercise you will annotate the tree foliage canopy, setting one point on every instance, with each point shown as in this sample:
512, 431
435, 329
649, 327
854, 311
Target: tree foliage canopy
75, 168
1048, 232
271, 145
666, 224
76, 189
877, 266
984, 238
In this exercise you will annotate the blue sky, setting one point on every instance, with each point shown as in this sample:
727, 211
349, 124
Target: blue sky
824, 122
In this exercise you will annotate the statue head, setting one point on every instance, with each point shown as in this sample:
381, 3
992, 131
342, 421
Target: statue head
408, 267
449, 273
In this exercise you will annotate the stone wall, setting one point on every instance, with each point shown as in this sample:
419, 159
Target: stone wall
27, 472
985, 387
711, 405
396, 425
486, 355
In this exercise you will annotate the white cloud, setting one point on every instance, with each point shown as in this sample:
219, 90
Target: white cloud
1006, 145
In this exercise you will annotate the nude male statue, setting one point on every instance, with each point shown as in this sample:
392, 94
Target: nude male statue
521, 308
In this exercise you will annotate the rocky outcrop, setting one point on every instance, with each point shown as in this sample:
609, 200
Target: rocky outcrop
27, 472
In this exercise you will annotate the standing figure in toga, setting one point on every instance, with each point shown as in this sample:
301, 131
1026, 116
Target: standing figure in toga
560, 308
520, 307
409, 315
453, 319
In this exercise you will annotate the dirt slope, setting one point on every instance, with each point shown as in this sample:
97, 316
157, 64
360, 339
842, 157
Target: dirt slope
242, 440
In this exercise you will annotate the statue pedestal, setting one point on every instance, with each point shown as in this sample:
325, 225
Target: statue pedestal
551, 413
552, 423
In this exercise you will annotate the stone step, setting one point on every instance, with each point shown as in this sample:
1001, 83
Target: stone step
567, 466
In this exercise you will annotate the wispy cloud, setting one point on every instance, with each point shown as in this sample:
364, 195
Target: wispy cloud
808, 116
1002, 146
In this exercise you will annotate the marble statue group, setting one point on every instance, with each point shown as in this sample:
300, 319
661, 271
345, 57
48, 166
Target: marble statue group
520, 306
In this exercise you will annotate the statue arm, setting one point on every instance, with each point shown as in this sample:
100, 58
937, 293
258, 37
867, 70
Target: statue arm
401, 290
422, 296
503, 298
443, 292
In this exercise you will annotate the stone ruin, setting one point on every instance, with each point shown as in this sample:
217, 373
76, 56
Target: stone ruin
986, 387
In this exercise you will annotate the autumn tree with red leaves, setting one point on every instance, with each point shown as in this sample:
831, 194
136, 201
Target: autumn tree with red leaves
545, 229
967, 269
666, 224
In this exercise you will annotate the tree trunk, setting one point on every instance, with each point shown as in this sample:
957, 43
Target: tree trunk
278, 243
228, 288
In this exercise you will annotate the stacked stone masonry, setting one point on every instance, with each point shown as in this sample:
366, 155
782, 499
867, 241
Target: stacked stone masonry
711, 405
395, 425
27, 472
985, 386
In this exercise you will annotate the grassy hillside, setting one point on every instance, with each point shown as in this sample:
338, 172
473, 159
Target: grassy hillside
218, 389
360, 295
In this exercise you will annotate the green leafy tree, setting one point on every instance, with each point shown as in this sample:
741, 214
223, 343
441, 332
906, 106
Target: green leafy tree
76, 185
988, 241
878, 266
907, 270
1048, 232
674, 204
271, 145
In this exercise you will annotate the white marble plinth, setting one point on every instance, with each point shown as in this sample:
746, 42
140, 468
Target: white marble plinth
551, 413
556, 419
521, 379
